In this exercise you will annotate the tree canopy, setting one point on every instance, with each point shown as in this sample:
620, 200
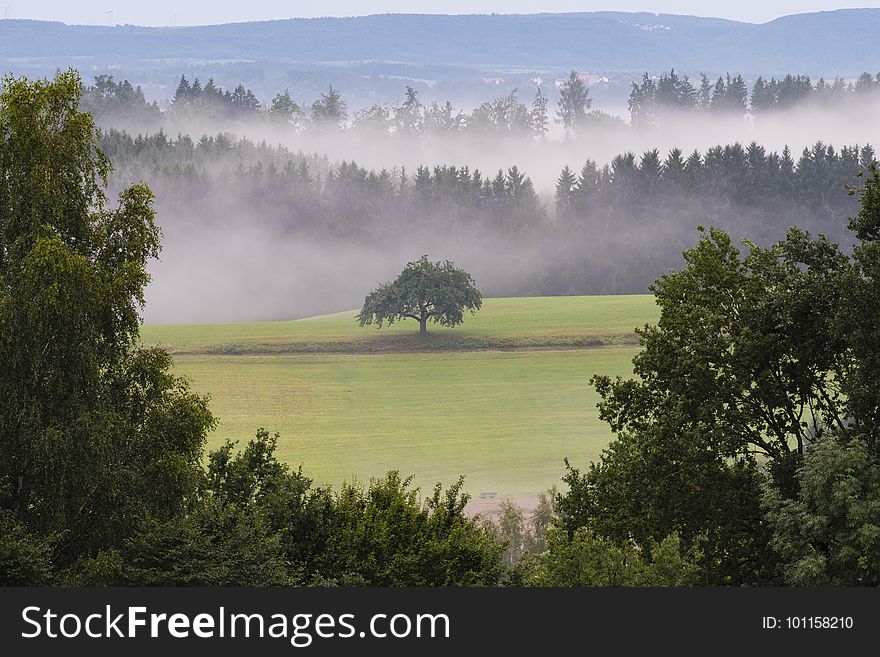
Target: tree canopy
96, 432
751, 431
574, 102
330, 109
424, 291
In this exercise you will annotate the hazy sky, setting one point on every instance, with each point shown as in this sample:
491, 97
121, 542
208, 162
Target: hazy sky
199, 12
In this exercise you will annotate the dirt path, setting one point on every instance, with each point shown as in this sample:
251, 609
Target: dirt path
491, 507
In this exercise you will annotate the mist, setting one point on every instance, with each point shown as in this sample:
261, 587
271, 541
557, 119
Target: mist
240, 252
854, 121
242, 274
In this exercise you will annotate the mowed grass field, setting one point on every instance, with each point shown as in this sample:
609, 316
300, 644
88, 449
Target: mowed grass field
522, 322
505, 417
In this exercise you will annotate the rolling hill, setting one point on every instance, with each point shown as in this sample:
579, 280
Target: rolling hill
824, 43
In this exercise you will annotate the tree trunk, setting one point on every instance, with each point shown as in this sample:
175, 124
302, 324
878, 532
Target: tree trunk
423, 325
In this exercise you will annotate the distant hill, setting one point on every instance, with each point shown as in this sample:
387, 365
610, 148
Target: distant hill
840, 42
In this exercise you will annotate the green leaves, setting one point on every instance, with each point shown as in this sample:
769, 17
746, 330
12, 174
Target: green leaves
96, 434
752, 428
746, 348
424, 290
585, 559
745, 366
25, 558
383, 535
380, 534
829, 534
574, 101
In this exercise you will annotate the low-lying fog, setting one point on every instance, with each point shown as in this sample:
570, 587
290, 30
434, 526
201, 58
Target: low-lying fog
225, 262
857, 121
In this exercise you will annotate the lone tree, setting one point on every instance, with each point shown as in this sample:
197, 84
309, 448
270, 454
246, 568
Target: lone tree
424, 290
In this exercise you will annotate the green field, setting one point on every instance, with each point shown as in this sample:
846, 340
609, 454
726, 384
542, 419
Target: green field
505, 418
523, 322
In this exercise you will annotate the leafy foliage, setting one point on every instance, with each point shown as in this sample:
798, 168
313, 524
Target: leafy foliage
424, 290
25, 558
384, 536
829, 534
213, 545
746, 360
574, 103
585, 559
523, 536
751, 430
97, 434
378, 535
101, 480
746, 449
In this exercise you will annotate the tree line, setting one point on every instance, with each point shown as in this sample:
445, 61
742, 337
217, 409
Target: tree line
113, 101
733, 174
739, 175
670, 92
507, 114
643, 210
655, 96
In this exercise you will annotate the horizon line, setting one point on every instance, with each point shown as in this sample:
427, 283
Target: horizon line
433, 14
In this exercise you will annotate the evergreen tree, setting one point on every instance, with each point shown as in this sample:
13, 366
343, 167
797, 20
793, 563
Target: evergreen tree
209, 92
330, 109
792, 90
643, 102
673, 92
540, 120
761, 96
183, 92
565, 187
650, 170
673, 168
408, 117
736, 95
693, 172
718, 93
705, 93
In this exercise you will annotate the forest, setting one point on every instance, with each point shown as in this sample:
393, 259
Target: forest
655, 100
643, 208
669, 92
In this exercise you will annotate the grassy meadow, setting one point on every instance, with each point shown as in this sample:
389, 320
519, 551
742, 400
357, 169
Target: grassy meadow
505, 417
521, 322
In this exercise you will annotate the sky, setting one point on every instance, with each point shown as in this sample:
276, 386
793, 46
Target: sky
201, 12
